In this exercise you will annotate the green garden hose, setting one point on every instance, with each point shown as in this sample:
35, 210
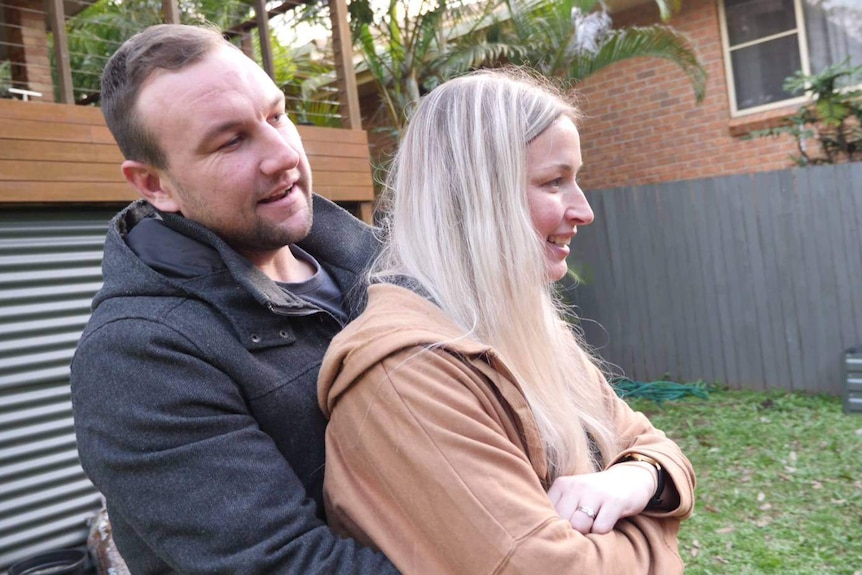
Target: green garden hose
658, 391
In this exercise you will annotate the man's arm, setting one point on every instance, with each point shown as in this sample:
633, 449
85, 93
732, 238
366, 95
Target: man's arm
169, 440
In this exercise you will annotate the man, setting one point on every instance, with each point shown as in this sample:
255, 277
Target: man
194, 384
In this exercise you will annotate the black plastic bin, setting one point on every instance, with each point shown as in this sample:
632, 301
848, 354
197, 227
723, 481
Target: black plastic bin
59, 562
853, 380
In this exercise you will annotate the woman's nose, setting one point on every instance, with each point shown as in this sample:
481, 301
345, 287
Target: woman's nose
579, 211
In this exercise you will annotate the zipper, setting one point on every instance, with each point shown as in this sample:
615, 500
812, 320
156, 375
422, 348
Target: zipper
310, 309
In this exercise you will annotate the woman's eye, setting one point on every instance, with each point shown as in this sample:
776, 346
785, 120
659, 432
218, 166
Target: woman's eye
555, 183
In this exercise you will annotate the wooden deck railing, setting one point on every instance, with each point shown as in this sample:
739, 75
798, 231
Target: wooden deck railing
56, 153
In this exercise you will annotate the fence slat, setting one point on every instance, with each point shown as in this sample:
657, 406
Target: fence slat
653, 220
746, 251
637, 285
682, 315
826, 222
619, 333
777, 369
820, 313
850, 214
705, 331
726, 292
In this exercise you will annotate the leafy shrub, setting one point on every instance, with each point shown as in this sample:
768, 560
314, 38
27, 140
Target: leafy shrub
827, 129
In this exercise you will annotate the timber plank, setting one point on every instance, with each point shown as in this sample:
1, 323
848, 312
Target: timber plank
57, 132
51, 113
48, 112
59, 171
28, 192
332, 135
59, 151
320, 164
335, 149
353, 179
26, 171
35, 150
353, 160
345, 193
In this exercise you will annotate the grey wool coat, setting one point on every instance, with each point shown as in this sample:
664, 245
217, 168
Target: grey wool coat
194, 393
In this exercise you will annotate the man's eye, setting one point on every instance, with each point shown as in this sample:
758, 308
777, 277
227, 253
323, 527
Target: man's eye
279, 118
231, 143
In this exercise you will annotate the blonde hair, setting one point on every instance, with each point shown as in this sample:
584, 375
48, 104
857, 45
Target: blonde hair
457, 223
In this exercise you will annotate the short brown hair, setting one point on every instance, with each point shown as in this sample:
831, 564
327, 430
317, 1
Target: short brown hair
160, 47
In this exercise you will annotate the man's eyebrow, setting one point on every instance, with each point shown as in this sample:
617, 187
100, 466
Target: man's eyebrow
277, 100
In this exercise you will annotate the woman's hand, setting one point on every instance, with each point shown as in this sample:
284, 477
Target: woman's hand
594, 502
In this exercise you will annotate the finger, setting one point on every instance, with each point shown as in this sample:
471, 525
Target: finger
563, 498
602, 525
582, 519
555, 493
605, 519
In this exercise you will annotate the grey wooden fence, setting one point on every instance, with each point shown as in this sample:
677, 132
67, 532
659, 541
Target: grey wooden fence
753, 280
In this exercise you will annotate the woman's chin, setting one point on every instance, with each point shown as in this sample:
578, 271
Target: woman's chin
556, 272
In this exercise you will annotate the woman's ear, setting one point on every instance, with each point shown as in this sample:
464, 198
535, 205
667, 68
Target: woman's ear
149, 183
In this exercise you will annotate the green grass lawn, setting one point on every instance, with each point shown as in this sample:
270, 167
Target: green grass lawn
779, 482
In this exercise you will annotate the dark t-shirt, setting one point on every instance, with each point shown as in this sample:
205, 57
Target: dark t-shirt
320, 289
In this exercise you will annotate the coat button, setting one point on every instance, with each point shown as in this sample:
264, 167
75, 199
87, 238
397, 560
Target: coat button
255, 338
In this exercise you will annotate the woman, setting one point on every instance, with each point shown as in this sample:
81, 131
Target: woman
469, 431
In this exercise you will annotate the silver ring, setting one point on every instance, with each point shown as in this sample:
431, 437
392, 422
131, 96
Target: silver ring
588, 511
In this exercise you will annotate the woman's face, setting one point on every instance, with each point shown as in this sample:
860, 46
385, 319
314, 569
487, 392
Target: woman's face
557, 204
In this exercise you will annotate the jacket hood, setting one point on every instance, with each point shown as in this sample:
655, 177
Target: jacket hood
153, 253
397, 319
375, 335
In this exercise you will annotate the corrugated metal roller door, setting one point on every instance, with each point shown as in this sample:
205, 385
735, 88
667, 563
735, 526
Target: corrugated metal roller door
50, 267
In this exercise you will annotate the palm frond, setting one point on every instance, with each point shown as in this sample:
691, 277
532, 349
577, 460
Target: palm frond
471, 56
653, 41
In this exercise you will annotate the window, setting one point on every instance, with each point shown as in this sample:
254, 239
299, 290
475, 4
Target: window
769, 40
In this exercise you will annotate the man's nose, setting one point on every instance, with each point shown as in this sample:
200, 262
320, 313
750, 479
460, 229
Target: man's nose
279, 153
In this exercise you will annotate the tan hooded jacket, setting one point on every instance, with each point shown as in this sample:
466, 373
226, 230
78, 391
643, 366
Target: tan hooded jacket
433, 456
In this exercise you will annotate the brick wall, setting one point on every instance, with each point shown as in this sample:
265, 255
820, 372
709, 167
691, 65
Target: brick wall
643, 125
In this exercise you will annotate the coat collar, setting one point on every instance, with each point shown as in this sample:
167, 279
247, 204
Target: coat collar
178, 257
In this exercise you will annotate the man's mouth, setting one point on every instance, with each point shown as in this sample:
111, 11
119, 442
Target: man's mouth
275, 196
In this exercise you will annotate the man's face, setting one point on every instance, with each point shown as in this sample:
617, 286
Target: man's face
235, 161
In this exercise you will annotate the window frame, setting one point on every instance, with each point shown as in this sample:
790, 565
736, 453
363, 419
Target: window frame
730, 84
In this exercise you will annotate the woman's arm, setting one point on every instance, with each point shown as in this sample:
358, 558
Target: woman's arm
427, 460
640, 437
636, 481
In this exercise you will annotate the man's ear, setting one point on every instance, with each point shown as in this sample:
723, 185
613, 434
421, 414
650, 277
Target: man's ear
149, 183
